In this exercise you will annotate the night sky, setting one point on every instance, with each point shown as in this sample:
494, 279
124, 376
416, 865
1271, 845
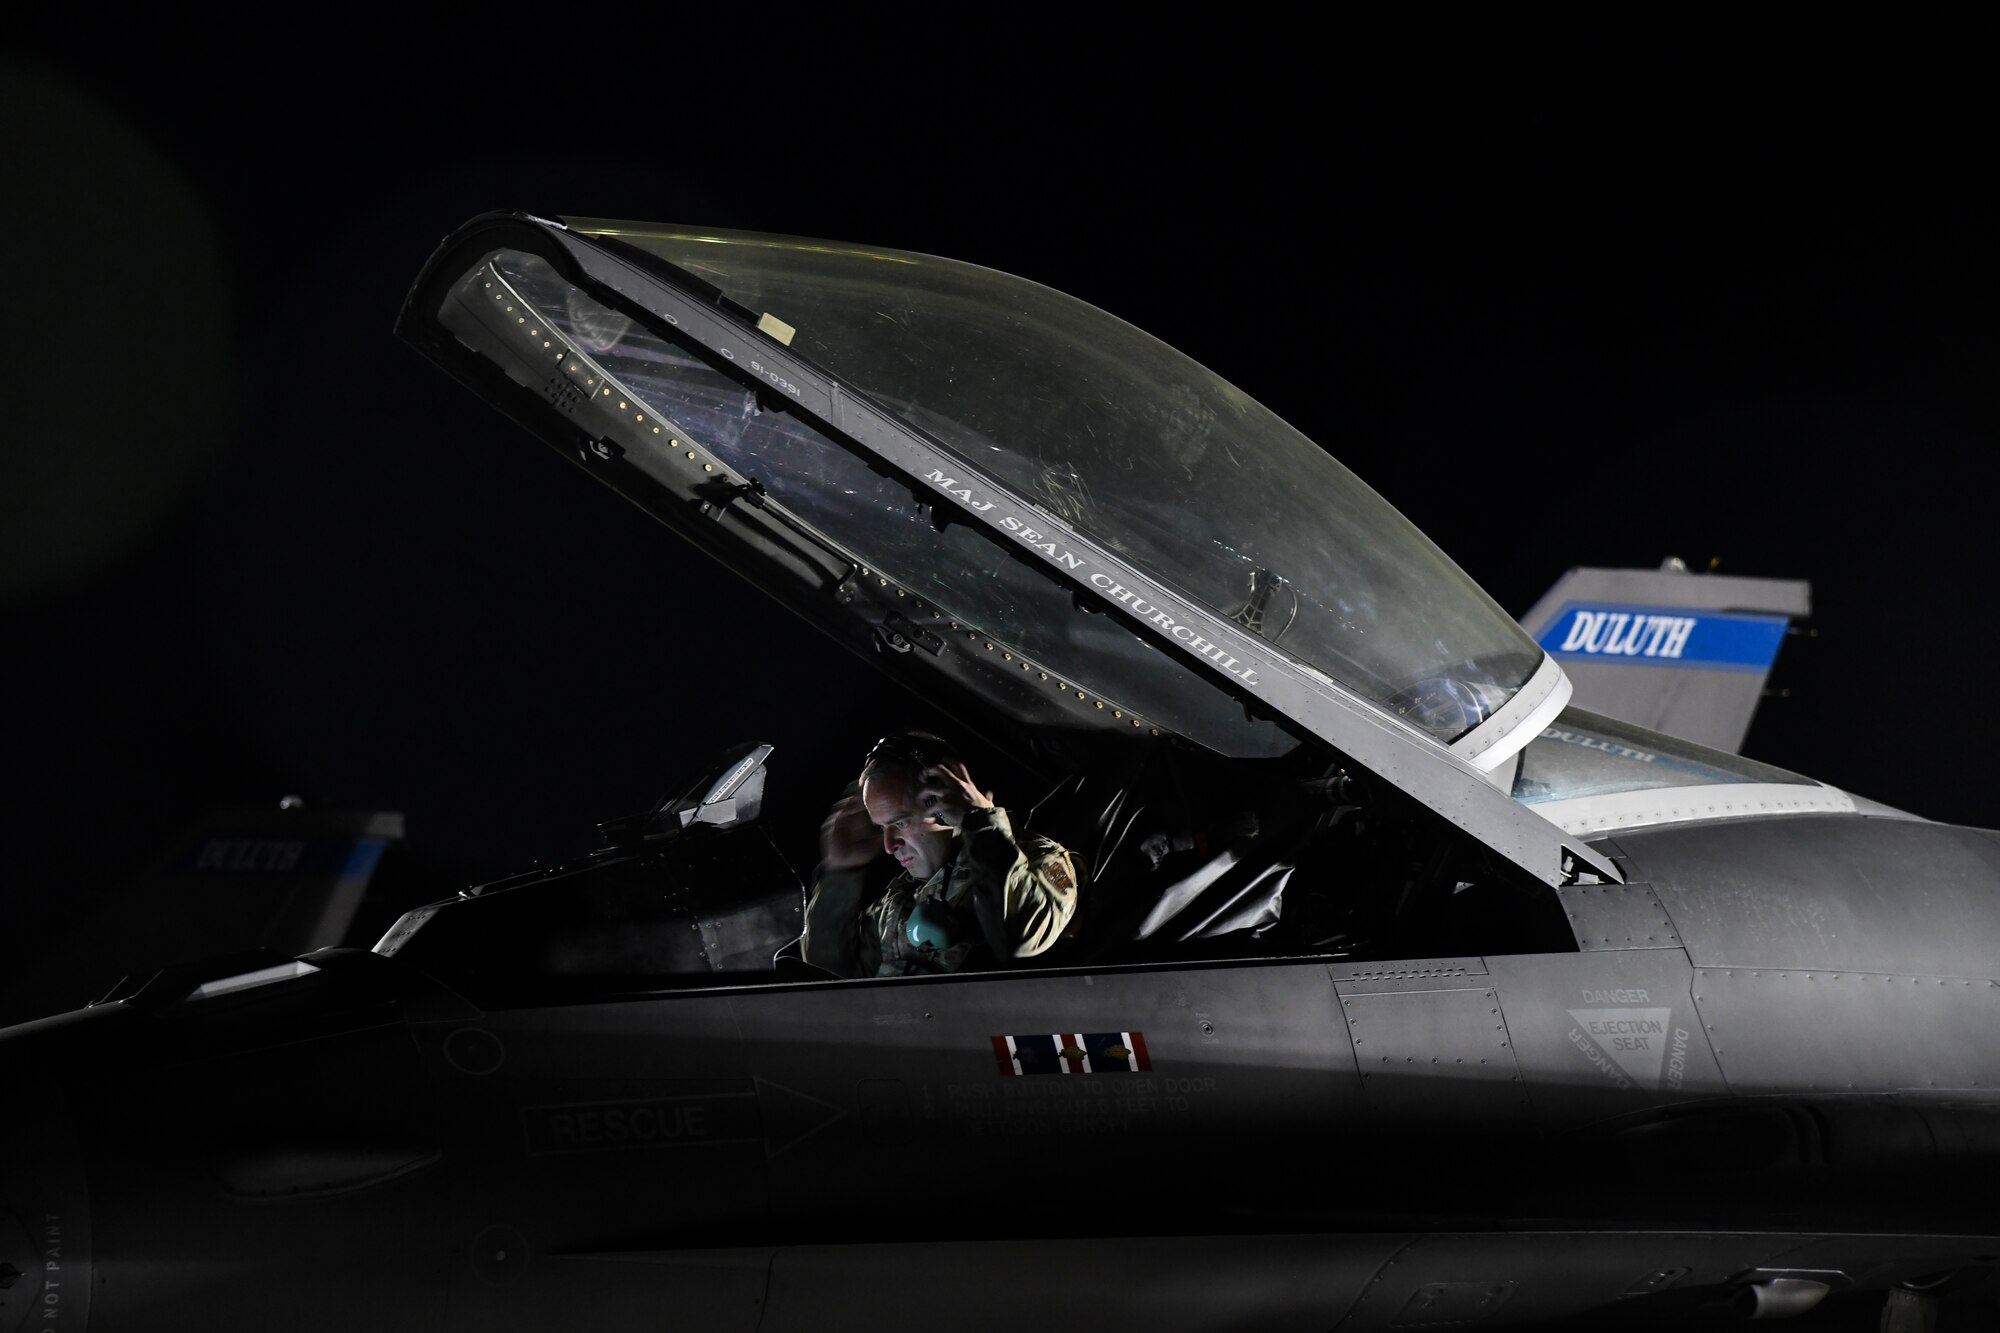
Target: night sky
251, 545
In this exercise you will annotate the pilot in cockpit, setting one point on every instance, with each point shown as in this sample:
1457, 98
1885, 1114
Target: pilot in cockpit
971, 893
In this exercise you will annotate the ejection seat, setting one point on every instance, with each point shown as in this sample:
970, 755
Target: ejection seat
1188, 857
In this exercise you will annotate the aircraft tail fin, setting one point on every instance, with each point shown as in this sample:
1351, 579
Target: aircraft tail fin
289, 880
1676, 651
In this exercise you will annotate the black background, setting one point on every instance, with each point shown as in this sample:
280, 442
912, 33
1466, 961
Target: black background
254, 546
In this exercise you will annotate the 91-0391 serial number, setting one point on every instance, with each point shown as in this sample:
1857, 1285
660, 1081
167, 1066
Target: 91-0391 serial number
775, 378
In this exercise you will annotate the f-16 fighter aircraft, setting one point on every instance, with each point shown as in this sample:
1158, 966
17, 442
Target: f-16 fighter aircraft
1403, 993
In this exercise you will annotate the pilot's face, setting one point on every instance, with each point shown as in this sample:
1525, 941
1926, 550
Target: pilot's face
918, 842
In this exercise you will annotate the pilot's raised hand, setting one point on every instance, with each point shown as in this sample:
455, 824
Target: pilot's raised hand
848, 840
947, 793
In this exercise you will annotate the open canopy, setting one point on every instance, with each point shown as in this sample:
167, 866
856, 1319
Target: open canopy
1047, 503
1123, 439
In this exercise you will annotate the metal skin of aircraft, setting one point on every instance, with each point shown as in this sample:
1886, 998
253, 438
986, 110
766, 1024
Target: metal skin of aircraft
1408, 995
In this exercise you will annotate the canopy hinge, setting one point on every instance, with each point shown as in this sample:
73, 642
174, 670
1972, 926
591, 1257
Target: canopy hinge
719, 495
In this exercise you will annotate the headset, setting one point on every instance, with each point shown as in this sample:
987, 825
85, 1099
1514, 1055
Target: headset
921, 750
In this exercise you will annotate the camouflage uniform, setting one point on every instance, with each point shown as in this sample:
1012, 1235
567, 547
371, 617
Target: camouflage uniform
999, 898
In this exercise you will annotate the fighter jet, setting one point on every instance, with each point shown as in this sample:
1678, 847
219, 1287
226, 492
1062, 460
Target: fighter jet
1406, 993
